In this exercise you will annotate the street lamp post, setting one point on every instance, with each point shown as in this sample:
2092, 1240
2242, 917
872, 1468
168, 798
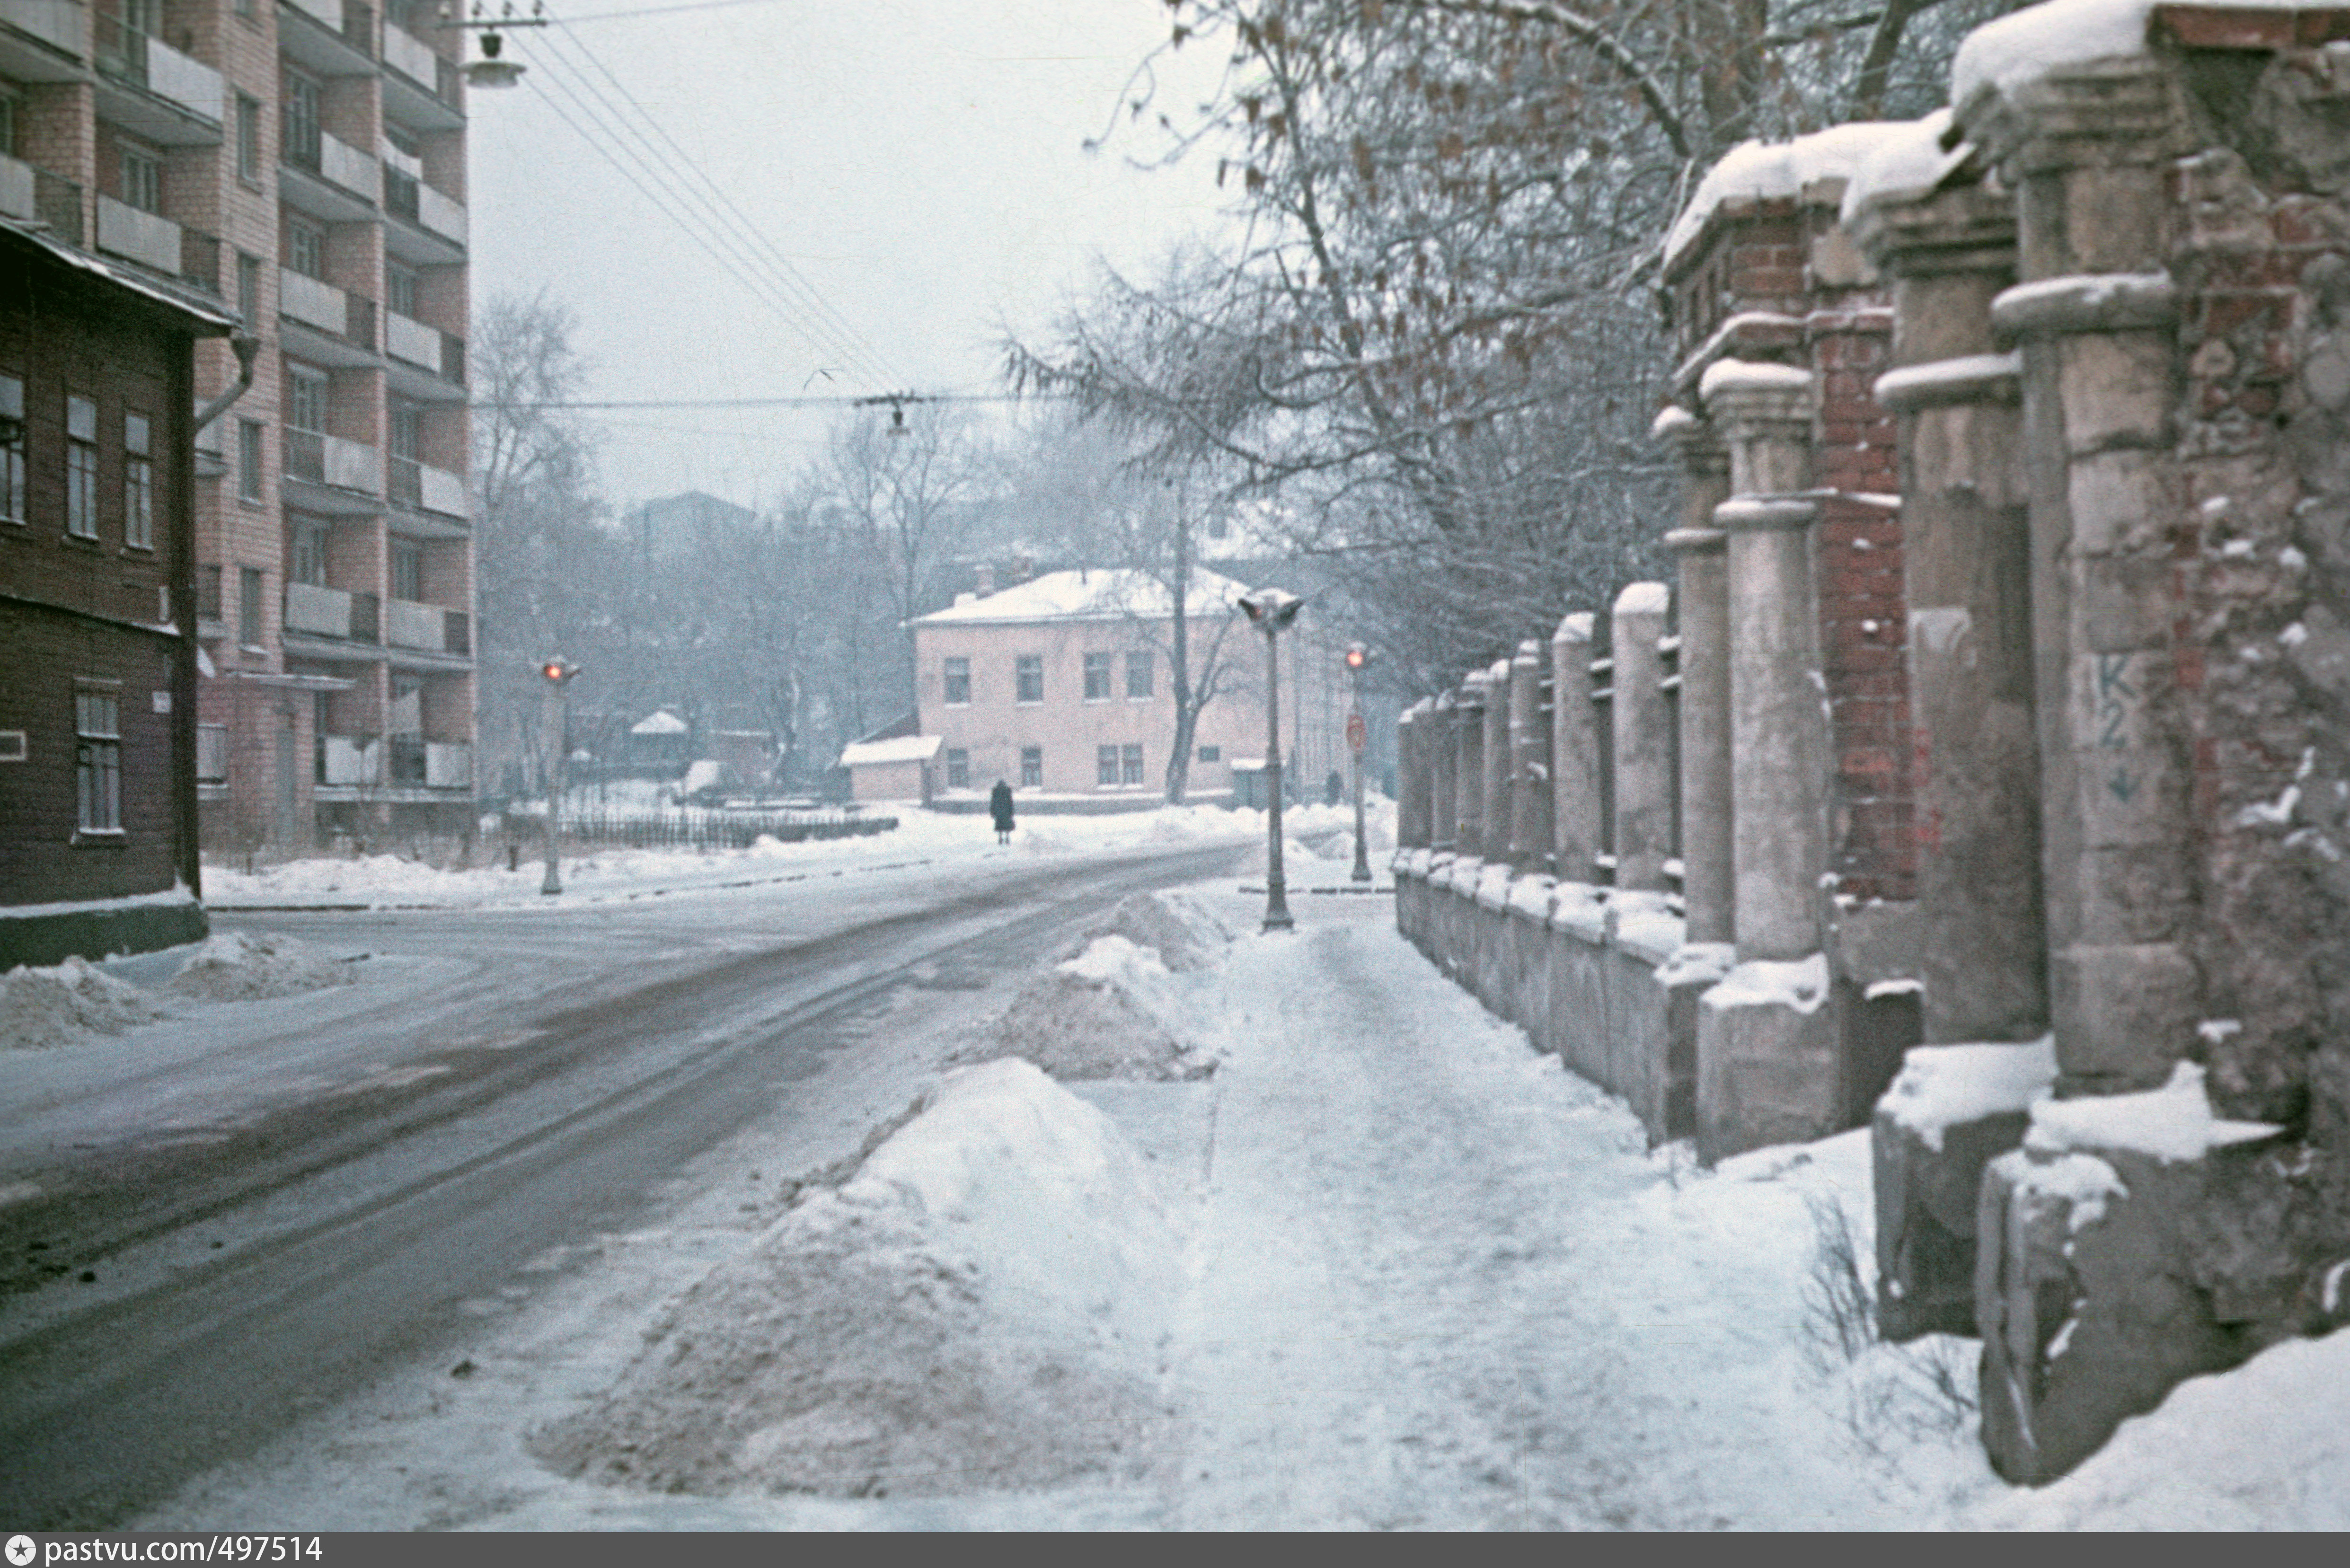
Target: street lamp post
1357, 657
1272, 611
557, 674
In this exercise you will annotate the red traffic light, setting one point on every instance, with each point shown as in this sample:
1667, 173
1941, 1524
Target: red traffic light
557, 671
1357, 657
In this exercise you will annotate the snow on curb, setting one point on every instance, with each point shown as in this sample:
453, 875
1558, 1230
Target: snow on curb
234, 966
67, 1004
980, 1307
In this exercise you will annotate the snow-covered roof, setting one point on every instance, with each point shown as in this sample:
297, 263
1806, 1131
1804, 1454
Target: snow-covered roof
1906, 166
1089, 596
1754, 170
660, 721
897, 749
212, 316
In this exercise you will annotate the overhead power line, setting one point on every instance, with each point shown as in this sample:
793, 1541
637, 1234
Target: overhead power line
885, 399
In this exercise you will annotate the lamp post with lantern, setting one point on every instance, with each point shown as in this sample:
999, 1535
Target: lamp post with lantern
1272, 611
1357, 657
557, 673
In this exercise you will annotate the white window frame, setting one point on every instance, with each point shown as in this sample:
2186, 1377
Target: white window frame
97, 759
1106, 766
1028, 675
952, 671
12, 454
1129, 766
81, 467
138, 483
1032, 767
1096, 677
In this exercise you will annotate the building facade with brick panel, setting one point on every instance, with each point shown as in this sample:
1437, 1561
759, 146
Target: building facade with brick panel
97, 807
303, 162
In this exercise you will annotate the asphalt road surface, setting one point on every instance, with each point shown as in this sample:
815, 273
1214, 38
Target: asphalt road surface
175, 1301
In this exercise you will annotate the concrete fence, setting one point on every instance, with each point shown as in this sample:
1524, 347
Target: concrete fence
1982, 775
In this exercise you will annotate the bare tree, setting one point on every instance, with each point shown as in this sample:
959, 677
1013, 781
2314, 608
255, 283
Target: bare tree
908, 484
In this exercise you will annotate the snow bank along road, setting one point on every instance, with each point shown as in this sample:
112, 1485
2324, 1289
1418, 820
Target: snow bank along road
208, 1238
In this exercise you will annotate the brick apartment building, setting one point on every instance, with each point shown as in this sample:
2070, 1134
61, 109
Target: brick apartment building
1062, 686
304, 163
98, 787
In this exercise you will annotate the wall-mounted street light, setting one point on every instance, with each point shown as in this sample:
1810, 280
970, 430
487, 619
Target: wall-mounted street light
1273, 612
558, 674
1357, 657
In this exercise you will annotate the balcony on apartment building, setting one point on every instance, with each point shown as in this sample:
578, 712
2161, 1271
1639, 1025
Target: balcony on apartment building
420, 85
329, 177
426, 628
154, 91
423, 488
328, 324
336, 38
334, 476
431, 227
56, 24
315, 610
413, 347
346, 766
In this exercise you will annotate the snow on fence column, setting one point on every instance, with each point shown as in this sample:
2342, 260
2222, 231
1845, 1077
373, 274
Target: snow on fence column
1642, 753
1531, 849
1468, 776
1441, 759
1499, 787
1767, 1068
1575, 751
1703, 550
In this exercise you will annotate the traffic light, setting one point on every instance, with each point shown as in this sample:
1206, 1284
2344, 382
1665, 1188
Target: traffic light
1357, 656
557, 672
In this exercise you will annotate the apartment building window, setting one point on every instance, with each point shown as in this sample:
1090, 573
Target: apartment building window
958, 682
208, 592
1130, 764
142, 181
400, 289
1105, 766
138, 483
1211, 753
249, 460
958, 768
1096, 677
306, 247
7, 123
1138, 674
305, 400
248, 287
248, 606
98, 759
408, 570
1032, 767
248, 139
1029, 679
81, 468
310, 563
12, 449
301, 119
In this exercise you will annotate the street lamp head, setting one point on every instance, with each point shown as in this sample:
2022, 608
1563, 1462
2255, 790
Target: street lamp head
1271, 608
490, 71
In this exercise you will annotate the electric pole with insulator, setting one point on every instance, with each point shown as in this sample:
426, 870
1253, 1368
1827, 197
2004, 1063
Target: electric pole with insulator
1272, 611
1357, 657
557, 673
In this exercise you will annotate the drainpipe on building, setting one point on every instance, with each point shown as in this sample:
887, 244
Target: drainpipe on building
245, 347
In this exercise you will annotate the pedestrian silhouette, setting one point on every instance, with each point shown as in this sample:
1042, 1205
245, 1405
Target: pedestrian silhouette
999, 806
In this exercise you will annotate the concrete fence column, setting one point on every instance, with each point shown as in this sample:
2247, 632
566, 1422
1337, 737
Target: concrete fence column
1499, 787
1530, 845
1468, 776
1411, 782
1643, 752
1777, 693
1574, 751
1703, 550
1442, 760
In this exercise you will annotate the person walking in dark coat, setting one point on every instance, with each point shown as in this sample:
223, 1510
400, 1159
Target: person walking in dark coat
999, 806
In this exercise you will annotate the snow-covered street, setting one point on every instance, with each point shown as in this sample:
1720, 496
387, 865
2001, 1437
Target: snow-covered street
1384, 1268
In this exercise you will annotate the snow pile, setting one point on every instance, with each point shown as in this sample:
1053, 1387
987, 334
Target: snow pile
1940, 1086
1093, 1017
980, 1306
234, 966
2172, 1123
1906, 166
2032, 43
67, 1004
1800, 983
1183, 933
2262, 1447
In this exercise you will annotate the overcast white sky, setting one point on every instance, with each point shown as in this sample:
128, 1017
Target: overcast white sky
919, 162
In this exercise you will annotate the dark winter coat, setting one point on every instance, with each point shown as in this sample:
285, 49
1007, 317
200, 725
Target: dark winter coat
999, 805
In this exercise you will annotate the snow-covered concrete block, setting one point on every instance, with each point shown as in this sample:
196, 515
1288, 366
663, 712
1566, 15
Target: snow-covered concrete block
1951, 1111
1766, 1057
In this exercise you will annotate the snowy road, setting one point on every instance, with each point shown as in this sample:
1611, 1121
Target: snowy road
232, 1231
